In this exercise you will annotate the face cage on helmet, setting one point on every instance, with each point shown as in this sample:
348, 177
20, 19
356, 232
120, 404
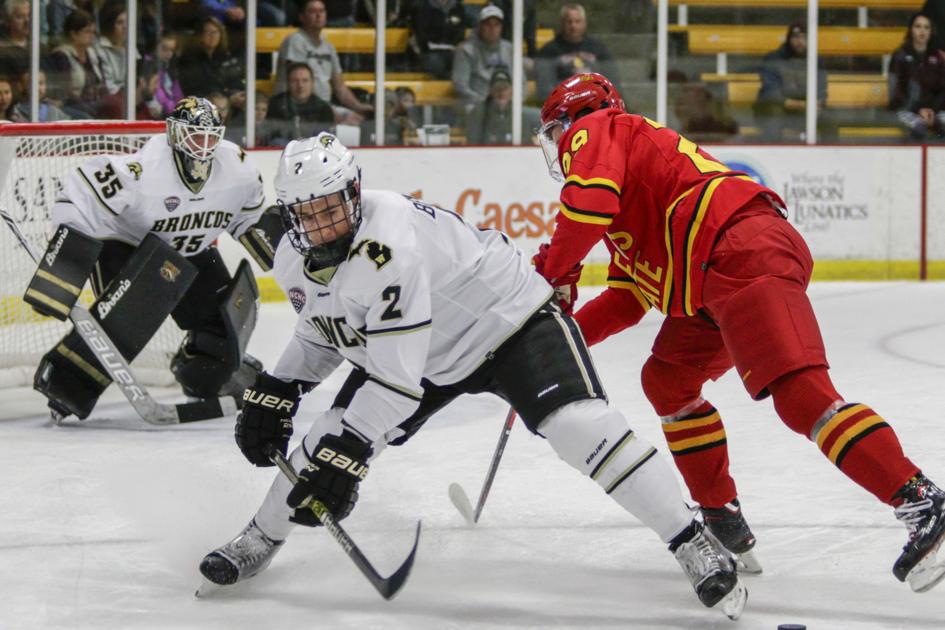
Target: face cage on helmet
332, 253
198, 142
549, 146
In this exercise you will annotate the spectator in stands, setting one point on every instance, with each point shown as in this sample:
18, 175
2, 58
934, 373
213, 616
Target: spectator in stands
299, 112
58, 10
701, 115
490, 122
782, 99
917, 81
49, 110
529, 23
76, 68
572, 51
476, 58
147, 107
228, 12
14, 46
308, 46
436, 28
403, 116
110, 46
8, 109
207, 65
163, 64
366, 11
264, 127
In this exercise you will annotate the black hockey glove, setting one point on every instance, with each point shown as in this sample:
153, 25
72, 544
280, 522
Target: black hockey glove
266, 418
338, 466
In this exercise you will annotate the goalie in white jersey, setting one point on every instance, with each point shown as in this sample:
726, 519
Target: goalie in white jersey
427, 307
142, 226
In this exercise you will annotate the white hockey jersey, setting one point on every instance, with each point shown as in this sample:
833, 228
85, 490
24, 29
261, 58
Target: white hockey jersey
126, 197
423, 294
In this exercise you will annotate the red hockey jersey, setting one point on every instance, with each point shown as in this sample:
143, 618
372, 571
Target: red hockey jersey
657, 199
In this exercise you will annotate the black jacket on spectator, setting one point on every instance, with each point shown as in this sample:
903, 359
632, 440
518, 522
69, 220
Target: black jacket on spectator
200, 75
431, 22
282, 106
551, 69
917, 80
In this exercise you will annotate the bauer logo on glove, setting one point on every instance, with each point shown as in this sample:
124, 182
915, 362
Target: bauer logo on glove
345, 463
262, 399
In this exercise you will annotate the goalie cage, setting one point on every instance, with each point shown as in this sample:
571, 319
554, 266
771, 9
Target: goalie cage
35, 158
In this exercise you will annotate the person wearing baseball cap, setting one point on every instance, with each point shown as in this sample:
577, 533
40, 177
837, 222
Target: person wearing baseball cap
476, 58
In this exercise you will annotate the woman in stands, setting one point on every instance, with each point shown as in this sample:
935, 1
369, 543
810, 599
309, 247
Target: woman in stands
207, 65
917, 81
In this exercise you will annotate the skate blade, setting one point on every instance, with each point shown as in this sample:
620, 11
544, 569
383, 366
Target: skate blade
206, 588
733, 604
929, 571
748, 563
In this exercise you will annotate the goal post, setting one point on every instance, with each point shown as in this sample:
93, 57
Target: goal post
35, 159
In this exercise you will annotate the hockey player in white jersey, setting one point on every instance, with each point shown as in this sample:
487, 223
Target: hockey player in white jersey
427, 307
142, 226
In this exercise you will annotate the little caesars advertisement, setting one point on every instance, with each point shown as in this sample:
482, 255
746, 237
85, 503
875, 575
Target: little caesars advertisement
850, 203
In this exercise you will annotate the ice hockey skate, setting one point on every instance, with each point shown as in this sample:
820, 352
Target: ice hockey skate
921, 563
711, 570
241, 558
728, 525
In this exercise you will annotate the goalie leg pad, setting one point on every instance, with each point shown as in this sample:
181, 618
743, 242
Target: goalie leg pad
62, 271
595, 439
212, 359
145, 290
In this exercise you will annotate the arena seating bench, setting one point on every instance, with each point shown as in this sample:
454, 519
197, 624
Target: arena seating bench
758, 40
789, 4
358, 40
842, 93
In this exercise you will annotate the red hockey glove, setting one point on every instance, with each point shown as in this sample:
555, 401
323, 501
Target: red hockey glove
566, 286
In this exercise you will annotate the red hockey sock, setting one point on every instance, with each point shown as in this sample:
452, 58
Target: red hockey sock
854, 438
698, 444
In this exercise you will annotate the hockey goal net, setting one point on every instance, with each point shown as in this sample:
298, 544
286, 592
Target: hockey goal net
34, 161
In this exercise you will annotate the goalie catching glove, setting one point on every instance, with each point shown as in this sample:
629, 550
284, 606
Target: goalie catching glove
566, 286
338, 466
266, 419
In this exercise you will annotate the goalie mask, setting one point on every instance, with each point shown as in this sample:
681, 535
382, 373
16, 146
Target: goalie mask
318, 191
194, 130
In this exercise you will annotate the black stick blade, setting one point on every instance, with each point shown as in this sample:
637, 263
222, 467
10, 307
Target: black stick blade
388, 587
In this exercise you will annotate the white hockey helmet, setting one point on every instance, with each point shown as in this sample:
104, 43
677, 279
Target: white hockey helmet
194, 131
318, 191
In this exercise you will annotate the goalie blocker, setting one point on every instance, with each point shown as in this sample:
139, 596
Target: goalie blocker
143, 293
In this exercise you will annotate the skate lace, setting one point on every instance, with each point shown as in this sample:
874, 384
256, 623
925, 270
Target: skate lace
702, 560
912, 514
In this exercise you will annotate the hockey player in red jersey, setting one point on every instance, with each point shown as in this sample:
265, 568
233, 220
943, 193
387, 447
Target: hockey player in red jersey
711, 249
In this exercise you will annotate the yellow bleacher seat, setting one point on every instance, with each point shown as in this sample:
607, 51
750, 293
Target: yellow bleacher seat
758, 40
833, 77
780, 4
359, 39
839, 93
346, 40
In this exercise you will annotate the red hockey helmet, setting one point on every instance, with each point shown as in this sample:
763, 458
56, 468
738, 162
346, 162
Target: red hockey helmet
574, 97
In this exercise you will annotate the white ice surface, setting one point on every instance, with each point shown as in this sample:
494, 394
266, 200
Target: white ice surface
103, 524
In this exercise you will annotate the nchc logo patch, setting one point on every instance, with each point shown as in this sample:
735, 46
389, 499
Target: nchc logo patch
171, 203
297, 297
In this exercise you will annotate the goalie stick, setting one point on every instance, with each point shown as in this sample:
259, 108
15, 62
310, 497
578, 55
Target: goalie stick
388, 586
458, 495
97, 340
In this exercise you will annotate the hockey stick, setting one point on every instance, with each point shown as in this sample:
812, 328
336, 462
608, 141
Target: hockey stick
388, 586
458, 495
120, 372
